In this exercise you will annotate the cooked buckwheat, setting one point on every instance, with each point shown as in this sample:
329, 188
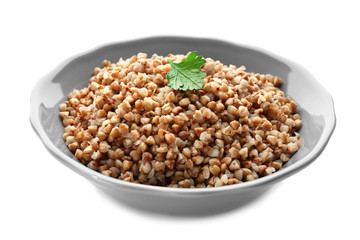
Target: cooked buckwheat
128, 124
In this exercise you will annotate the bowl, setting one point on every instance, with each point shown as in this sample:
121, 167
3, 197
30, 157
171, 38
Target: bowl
318, 121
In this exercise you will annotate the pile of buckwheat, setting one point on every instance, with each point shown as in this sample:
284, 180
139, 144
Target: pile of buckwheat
128, 124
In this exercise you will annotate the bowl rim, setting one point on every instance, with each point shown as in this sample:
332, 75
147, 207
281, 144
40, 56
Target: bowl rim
83, 170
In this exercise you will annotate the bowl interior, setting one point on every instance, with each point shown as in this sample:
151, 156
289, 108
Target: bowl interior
297, 82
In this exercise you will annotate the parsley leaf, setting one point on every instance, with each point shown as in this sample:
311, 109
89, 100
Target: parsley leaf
187, 75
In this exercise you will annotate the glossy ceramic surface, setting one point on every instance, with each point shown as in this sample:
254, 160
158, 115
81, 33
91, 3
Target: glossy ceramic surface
315, 107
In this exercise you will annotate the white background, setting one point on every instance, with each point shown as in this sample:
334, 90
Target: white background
42, 199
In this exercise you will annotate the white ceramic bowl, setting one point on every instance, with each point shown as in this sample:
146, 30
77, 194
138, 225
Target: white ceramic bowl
315, 107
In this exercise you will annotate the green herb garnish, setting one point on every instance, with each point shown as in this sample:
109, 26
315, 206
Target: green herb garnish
187, 75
